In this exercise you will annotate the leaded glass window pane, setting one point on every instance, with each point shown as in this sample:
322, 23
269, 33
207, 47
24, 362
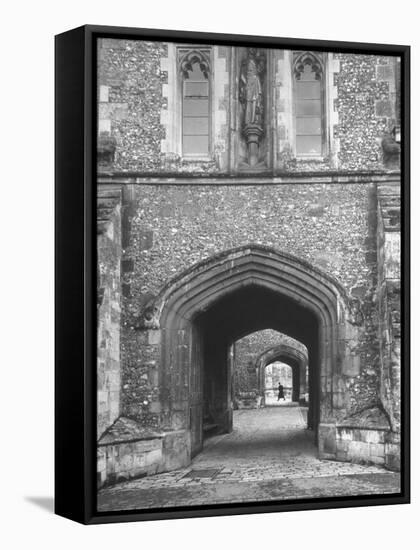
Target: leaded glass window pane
195, 113
196, 107
308, 111
308, 145
308, 90
196, 145
196, 89
309, 107
198, 126
308, 126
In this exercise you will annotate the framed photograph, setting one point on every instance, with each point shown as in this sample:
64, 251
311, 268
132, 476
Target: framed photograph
232, 274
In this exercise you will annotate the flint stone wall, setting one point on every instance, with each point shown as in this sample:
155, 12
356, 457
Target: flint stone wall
246, 352
137, 80
167, 228
172, 227
366, 107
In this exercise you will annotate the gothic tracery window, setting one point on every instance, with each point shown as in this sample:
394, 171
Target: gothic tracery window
309, 109
195, 69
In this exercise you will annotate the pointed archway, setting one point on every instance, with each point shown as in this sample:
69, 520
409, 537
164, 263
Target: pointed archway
297, 358
206, 308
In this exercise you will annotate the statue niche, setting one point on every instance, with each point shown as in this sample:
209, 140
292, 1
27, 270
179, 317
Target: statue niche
251, 98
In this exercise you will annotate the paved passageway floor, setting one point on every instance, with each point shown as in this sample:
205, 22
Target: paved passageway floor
270, 455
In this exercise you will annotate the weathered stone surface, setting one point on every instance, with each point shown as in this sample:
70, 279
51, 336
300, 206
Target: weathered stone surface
248, 378
327, 441
125, 429
131, 71
161, 245
232, 216
176, 450
368, 418
129, 460
226, 470
363, 117
224, 224
137, 102
109, 308
389, 293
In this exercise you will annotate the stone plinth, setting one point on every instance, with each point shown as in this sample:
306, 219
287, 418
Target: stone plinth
253, 133
128, 451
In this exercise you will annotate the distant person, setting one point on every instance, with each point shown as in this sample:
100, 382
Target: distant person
281, 393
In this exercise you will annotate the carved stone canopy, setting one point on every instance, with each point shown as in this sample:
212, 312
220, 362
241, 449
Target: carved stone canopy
188, 57
259, 57
307, 58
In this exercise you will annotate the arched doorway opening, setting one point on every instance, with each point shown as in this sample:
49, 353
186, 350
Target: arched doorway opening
253, 353
203, 311
250, 308
294, 354
276, 374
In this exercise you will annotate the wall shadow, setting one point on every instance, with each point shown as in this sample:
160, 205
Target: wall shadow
45, 503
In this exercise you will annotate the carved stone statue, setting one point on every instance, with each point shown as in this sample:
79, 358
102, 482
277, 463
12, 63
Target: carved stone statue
253, 94
251, 97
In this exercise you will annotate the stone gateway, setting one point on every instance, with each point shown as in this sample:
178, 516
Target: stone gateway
248, 214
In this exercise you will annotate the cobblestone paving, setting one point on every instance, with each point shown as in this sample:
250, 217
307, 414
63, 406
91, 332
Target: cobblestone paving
268, 456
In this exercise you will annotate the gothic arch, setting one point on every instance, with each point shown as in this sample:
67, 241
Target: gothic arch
219, 300
292, 355
307, 58
197, 287
189, 56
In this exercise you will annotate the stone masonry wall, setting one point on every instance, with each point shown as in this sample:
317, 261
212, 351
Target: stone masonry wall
247, 351
173, 227
139, 109
130, 101
109, 315
389, 292
366, 108
161, 230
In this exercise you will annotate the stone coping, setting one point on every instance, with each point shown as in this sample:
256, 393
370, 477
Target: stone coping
126, 430
368, 419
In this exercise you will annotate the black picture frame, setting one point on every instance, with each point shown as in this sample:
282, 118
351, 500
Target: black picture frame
75, 274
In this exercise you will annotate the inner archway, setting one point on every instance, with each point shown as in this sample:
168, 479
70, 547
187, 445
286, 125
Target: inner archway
246, 310
280, 374
253, 353
295, 354
203, 311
